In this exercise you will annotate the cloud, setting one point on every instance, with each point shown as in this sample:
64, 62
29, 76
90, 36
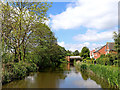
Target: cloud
73, 47
97, 14
61, 44
94, 35
79, 47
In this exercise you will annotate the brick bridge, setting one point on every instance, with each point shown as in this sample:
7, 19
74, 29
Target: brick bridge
69, 58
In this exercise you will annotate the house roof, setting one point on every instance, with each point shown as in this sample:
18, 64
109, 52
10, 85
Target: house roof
99, 49
110, 45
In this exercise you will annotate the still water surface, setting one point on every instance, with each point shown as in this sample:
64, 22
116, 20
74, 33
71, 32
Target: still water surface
66, 76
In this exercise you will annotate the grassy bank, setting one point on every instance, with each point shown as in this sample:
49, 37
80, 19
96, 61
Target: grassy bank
108, 73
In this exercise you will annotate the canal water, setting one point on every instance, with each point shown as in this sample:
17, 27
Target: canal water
64, 76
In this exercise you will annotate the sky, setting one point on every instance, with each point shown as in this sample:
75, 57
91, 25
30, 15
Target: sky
89, 23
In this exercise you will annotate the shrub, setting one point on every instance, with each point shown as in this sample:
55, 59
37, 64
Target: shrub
103, 61
19, 71
88, 58
115, 62
89, 61
6, 77
32, 67
109, 59
83, 67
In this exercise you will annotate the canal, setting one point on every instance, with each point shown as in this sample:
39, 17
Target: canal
64, 76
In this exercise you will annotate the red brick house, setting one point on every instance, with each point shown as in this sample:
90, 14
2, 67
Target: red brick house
108, 48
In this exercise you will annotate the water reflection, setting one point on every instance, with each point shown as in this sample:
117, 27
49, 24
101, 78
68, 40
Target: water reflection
65, 76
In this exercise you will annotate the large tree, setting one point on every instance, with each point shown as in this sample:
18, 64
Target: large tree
85, 52
18, 23
44, 49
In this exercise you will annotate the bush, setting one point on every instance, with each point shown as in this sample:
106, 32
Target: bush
89, 61
115, 62
32, 67
6, 77
84, 60
109, 59
103, 61
17, 71
88, 58
83, 67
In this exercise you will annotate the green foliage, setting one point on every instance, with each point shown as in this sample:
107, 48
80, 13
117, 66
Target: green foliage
27, 42
17, 71
85, 52
103, 61
107, 60
83, 67
116, 38
44, 48
74, 62
68, 53
6, 77
116, 62
88, 58
107, 72
84, 60
90, 61
76, 53
32, 67
19, 22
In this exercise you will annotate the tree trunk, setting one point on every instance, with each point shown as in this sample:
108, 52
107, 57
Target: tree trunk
19, 54
16, 60
23, 54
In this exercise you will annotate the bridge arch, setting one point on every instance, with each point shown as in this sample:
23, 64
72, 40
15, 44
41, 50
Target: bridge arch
69, 58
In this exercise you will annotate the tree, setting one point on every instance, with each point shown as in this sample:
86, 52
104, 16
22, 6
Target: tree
76, 53
44, 50
85, 52
116, 38
18, 23
68, 53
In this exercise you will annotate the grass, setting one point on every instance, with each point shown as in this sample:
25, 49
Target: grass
109, 73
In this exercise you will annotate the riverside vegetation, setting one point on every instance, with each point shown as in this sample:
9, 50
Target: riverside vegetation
106, 66
28, 44
109, 73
